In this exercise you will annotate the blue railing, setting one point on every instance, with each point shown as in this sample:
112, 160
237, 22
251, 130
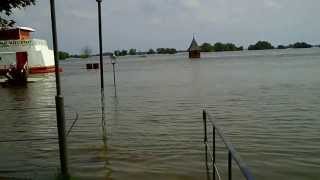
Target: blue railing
232, 153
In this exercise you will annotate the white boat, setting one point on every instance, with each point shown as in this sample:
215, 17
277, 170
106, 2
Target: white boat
18, 48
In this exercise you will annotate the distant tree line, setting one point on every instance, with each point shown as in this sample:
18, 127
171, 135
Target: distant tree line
166, 51
63, 55
85, 53
207, 47
296, 45
150, 51
125, 52
262, 45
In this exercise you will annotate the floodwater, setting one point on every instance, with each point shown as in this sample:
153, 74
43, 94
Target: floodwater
266, 102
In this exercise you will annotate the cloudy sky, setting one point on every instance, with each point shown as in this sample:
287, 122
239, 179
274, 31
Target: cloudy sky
144, 24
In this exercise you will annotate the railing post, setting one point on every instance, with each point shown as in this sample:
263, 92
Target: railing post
214, 152
204, 117
229, 165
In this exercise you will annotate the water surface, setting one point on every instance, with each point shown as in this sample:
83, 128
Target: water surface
267, 103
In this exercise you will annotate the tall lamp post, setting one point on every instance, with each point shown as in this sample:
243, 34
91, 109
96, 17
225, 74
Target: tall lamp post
113, 62
100, 46
59, 99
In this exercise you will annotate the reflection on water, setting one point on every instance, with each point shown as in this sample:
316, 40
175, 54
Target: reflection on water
267, 103
105, 137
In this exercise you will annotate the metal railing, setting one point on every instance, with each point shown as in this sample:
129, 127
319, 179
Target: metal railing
232, 153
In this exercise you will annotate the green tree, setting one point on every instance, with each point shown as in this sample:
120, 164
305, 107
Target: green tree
218, 46
166, 51
117, 53
132, 51
63, 55
6, 8
281, 47
206, 47
301, 45
171, 51
160, 50
261, 45
151, 51
124, 52
85, 52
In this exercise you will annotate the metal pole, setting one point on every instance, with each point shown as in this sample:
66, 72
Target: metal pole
114, 78
100, 44
114, 75
204, 117
214, 152
59, 100
229, 165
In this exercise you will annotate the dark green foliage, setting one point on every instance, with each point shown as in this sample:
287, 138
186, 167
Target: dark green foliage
6, 7
282, 47
261, 45
166, 51
63, 55
296, 45
132, 51
300, 45
151, 51
120, 53
240, 48
85, 52
218, 46
117, 53
83, 56
124, 52
206, 47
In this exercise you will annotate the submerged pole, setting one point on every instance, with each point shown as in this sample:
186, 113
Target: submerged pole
114, 74
59, 100
114, 77
100, 44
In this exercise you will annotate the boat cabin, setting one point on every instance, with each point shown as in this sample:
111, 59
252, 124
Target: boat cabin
17, 33
19, 49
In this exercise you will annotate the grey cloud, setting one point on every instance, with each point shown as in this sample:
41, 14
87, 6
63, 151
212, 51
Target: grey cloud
170, 23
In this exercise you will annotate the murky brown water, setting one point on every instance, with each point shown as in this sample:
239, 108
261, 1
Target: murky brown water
267, 103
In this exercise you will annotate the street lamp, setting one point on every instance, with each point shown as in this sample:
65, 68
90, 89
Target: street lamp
100, 46
113, 62
59, 99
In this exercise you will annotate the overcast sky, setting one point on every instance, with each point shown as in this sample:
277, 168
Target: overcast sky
144, 24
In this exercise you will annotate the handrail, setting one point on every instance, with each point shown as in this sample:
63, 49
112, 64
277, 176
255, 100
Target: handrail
232, 153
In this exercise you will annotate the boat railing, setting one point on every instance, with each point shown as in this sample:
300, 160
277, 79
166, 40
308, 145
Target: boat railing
22, 43
4, 67
232, 153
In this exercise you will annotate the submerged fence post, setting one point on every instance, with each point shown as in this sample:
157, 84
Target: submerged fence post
204, 117
214, 152
114, 77
229, 165
59, 100
100, 45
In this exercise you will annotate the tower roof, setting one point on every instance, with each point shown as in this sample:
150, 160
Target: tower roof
194, 45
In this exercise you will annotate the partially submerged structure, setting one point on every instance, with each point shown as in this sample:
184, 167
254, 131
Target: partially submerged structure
18, 49
194, 50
